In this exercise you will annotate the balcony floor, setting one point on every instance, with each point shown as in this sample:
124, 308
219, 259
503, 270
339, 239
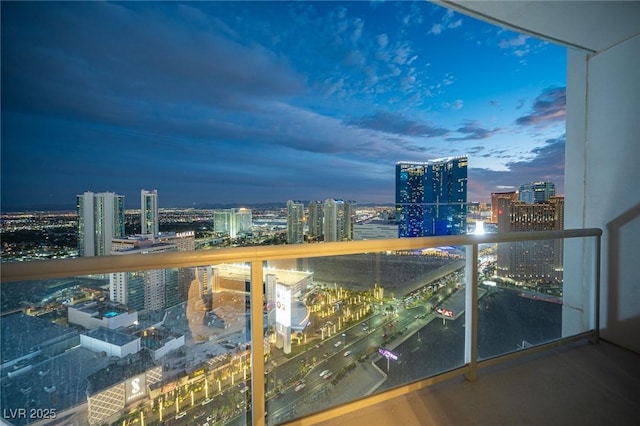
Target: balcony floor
580, 384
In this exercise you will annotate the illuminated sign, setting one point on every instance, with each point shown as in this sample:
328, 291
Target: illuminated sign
135, 388
444, 312
283, 305
388, 354
196, 373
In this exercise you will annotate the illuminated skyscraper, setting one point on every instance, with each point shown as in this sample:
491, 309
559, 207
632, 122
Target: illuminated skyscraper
316, 216
149, 212
536, 192
232, 222
349, 220
100, 219
431, 197
539, 260
495, 200
339, 219
333, 219
295, 222
144, 290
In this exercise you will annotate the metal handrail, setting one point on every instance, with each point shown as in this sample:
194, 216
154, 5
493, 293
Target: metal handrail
60, 268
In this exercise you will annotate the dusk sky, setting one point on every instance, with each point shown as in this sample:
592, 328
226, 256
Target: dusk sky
251, 102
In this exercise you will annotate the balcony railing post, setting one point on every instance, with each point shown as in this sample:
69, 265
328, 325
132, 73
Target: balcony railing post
597, 289
257, 344
471, 312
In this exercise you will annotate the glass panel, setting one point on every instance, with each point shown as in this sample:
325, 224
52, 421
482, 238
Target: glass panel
343, 327
178, 352
521, 295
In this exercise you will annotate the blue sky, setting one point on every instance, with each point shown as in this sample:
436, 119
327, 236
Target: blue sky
249, 102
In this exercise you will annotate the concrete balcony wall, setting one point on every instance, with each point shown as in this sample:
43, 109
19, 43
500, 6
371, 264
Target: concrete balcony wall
611, 190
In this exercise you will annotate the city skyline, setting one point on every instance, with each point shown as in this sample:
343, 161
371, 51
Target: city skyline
241, 103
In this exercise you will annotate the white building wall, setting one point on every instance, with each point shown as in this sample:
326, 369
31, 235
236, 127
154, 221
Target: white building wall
118, 287
602, 177
96, 345
169, 346
124, 319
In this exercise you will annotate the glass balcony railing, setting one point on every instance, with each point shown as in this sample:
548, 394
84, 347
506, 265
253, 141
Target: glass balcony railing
266, 335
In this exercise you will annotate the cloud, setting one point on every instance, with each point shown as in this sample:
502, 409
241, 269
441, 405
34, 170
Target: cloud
518, 40
397, 124
549, 107
435, 29
50, 69
446, 22
546, 163
383, 40
455, 105
517, 44
473, 130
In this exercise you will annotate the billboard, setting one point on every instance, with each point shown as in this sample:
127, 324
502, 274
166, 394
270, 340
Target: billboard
444, 312
135, 388
387, 353
283, 305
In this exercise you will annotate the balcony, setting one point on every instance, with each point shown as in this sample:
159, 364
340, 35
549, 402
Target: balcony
360, 360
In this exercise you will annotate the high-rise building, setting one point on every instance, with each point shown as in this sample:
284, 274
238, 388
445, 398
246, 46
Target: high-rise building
316, 218
295, 222
333, 212
495, 196
531, 261
431, 197
232, 222
536, 192
144, 290
349, 220
149, 212
100, 219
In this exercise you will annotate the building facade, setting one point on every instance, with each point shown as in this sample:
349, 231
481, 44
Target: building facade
149, 212
511, 197
316, 218
144, 290
295, 222
431, 197
536, 192
349, 220
538, 261
232, 222
100, 219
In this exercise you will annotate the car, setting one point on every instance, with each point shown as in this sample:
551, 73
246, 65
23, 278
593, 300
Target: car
347, 353
299, 387
181, 415
326, 376
206, 401
338, 343
325, 372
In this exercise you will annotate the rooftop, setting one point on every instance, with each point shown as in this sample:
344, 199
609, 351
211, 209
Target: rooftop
111, 336
101, 309
22, 334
